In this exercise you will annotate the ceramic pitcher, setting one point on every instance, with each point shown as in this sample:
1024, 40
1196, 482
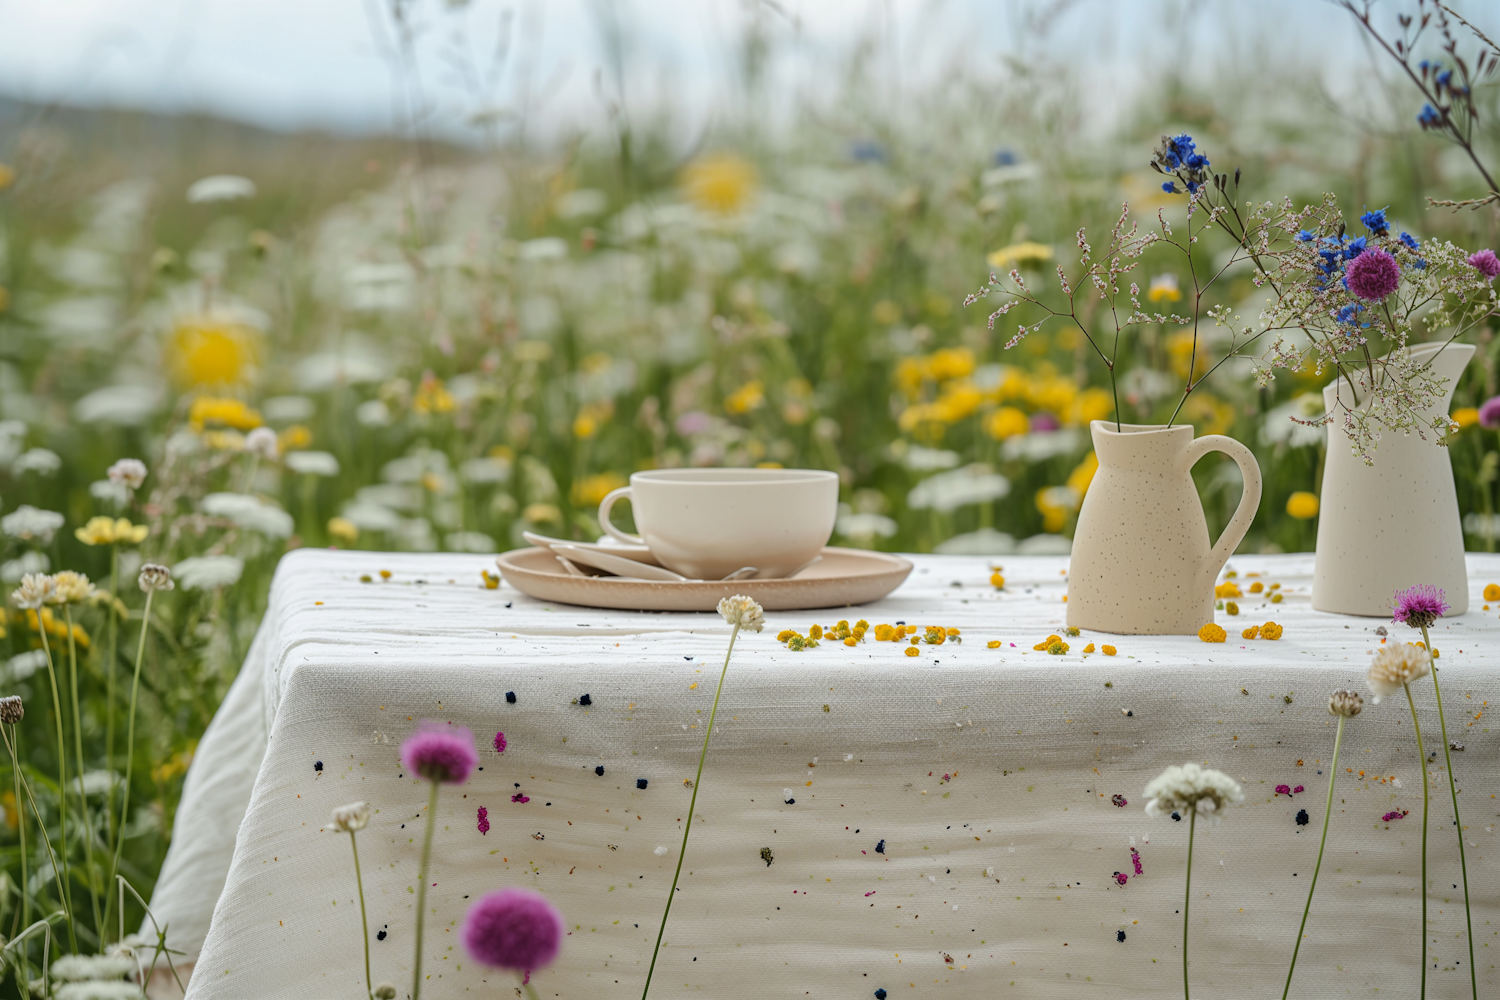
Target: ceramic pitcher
1142, 560
1387, 526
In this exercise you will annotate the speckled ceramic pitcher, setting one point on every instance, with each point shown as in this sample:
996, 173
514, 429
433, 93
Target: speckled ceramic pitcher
1387, 526
1142, 561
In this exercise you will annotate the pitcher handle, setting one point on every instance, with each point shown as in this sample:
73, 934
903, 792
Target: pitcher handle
1244, 514
608, 503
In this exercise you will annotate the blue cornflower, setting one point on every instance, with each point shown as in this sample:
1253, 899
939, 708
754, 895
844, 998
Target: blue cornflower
1348, 313
1197, 161
1169, 187
1429, 117
1375, 222
1192, 187
1005, 157
1354, 248
1303, 236
1420, 263
1410, 241
1424, 64
1444, 78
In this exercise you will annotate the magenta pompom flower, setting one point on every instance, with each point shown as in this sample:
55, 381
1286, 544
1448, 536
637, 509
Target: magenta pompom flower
1489, 413
484, 820
1373, 275
1419, 606
440, 753
513, 929
1486, 263
500, 743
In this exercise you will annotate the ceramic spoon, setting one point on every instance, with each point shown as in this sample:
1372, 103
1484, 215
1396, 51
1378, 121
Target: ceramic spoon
638, 553
619, 565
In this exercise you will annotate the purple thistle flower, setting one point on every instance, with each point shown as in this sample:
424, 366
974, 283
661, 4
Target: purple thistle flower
500, 743
1045, 422
513, 929
1419, 606
1394, 814
1373, 275
440, 753
1489, 413
484, 820
1297, 790
1486, 263
1284, 790
1135, 859
1121, 877
518, 797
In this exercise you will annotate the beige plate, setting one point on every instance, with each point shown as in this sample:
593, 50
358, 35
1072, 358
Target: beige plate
844, 576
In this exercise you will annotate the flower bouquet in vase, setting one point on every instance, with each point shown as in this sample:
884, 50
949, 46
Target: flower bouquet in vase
1389, 509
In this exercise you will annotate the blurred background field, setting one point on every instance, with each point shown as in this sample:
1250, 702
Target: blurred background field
480, 319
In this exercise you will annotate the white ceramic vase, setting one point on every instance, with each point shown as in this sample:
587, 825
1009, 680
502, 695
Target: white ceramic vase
1142, 561
1388, 526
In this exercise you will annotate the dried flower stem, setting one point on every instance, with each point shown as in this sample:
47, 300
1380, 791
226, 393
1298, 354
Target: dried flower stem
1453, 790
1333, 773
1187, 898
15, 757
62, 778
688, 826
135, 687
363, 922
1422, 761
416, 974
83, 799
15, 765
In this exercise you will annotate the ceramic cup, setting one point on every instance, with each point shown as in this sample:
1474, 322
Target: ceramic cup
707, 523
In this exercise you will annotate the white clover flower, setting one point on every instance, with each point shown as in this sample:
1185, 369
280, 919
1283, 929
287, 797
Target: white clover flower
262, 443
742, 611
69, 587
43, 461
353, 817
1345, 703
1396, 665
313, 463
1204, 790
128, 472
30, 561
209, 572
31, 524
220, 187
250, 512
34, 591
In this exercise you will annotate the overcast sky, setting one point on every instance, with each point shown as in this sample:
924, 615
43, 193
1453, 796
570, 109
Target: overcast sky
291, 64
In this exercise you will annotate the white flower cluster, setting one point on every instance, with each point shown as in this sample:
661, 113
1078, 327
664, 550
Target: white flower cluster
1396, 665
1192, 787
742, 611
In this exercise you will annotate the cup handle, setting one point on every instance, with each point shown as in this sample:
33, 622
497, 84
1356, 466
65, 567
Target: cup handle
1244, 514
608, 503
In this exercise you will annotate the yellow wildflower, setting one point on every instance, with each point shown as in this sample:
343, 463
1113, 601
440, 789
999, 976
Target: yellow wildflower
209, 351
1092, 404
746, 398
1231, 608
343, 529
222, 411
719, 182
294, 437
108, 531
224, 440
1250, 633
175, 766
1257, 587
56, 627
1057, 648
491, 580
815, 632
1276, 598
951, 362
1082, 475
1302, 505
913, 651
542, 513
1107, 650
1492, 592
1006, 422
997, 581
1180, 348
1024, 254
1228, 589
1055, 504
993, 644
432, 397
589, 490
1465, 417
1164, 289
1089, 648
1051, 392
1047, 642
1270, 630
1212, 633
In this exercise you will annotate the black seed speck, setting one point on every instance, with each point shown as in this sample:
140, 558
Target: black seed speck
640, 782
791, 802
1302, 817
880, 847
599, 770
1119, 935
1177, 817
380, 936
317, 765
584, 699
880, 995
510, 696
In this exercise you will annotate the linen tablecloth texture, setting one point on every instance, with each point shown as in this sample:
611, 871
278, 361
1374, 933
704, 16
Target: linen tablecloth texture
948, 823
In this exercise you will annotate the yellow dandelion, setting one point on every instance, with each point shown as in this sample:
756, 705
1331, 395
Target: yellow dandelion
1270, 630
1212, 633
343, 529
1006, 422
1082, 475
1468, 416
1228, 589
1092, 404
997, 581
993, 644
109, 531
1164, 289
432, 397
1107, 650
587, 491
1089, 648
1018, 255
720, 182
1492, 592
294, 437
1302, 505
746, 398
210, 352
913, 651
1250, 633
219, 411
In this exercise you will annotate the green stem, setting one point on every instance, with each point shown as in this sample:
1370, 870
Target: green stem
83, 799
363, 923
15, 764
688, 826
135, 687
530, 990
1187, 898
109, 695
1333, 773
1453, 790
62, 778
1422, 759
416, 975
14, 751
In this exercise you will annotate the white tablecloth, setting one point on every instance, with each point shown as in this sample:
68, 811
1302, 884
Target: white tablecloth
990, 776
